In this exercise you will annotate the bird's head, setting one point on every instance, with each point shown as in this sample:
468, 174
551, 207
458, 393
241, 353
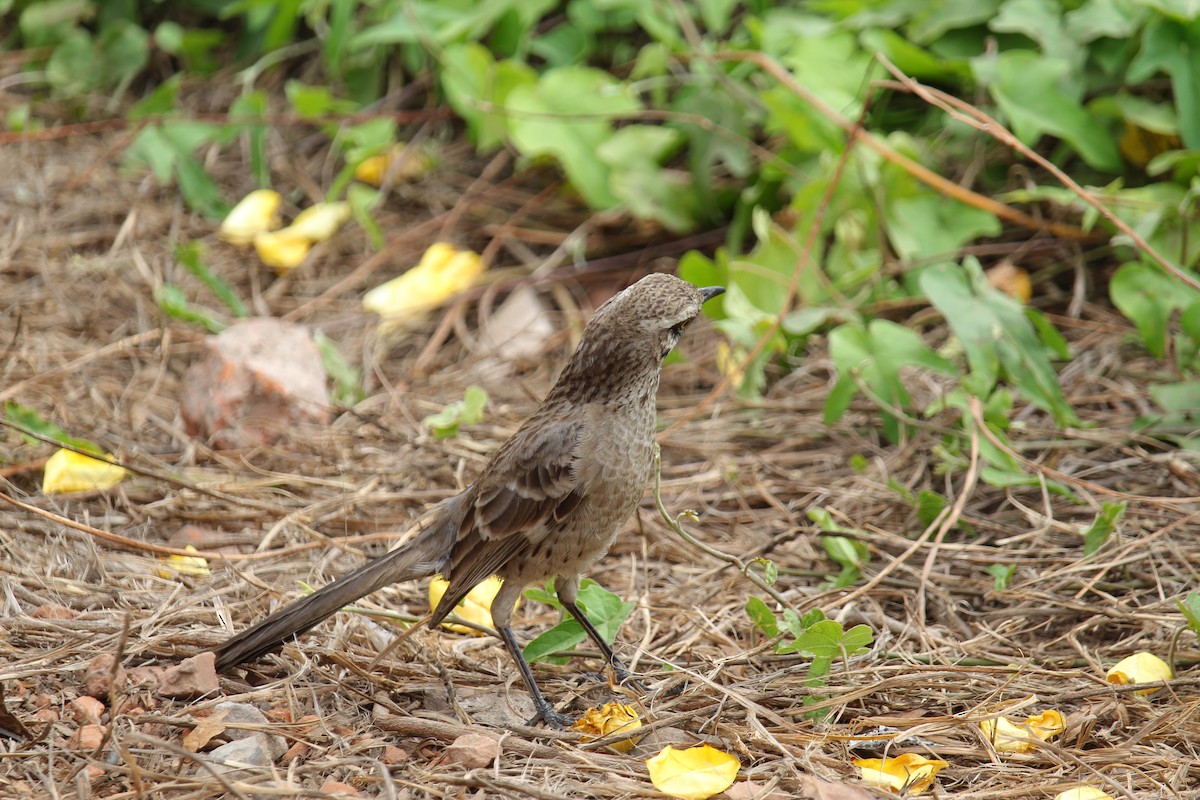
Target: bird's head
634, 330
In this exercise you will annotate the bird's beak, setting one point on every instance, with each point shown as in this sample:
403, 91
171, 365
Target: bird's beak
709, 292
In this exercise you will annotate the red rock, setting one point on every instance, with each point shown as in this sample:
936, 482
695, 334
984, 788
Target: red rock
297, 750
259, 379
93, 772
191, 677
97, 678
87, 709
87, 737
278, 714
145, 675
473, 750
336, 788
393, 755
53, 611
45, 715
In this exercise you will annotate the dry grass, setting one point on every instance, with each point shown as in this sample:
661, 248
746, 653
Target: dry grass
82, 247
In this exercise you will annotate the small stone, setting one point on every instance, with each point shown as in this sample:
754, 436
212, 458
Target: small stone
191, 677
338, 788
473, 750
97, 678
87, 709
279, 714
259, 380
749, 790
393, 756
235, 714
45, 715
297, 750
87, 737
252, 752
93, 772
53, 611
145, 675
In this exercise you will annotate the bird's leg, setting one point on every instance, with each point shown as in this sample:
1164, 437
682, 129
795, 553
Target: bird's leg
623, 674
544, 712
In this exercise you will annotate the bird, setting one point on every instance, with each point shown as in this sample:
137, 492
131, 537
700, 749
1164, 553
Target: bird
549, 502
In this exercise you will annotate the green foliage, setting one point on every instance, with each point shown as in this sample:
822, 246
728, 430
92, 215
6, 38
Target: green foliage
1190, 608
173, 302
605, 610
467, 411
869, 359
1001, 575
1000, 337
824, 640
191, 256
850, 554
347, 379
1103, 526
30, 420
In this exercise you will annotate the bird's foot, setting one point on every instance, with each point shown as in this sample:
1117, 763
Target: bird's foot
553, 719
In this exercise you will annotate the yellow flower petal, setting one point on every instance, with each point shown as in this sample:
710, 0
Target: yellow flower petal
696, 773
184, 565
612, 718
442, 273
374, 169
252, 216
1047, 725
1009, 737
1082, 793
320, 222
68, 471
476, 607
1140, 668
282, 250
909, 772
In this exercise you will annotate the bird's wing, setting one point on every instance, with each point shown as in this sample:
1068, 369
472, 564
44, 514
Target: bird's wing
532, 481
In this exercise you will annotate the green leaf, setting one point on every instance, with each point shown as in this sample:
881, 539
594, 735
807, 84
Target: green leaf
562, 638
1169, 46
929, 505
32, 421
1148, 297
363, 200
1103, 526
1042, 21
875, 355
568, 116
633, 154
478, 87
191, 256
997, 336
249, 110
605, 610
1190, 608
1001, 575
467, 411
928, 225
347, 379
173, 302
761, 616
1029, 88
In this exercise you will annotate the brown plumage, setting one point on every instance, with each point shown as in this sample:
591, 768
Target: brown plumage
550, 501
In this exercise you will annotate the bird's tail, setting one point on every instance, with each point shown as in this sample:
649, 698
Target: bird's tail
425, 555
